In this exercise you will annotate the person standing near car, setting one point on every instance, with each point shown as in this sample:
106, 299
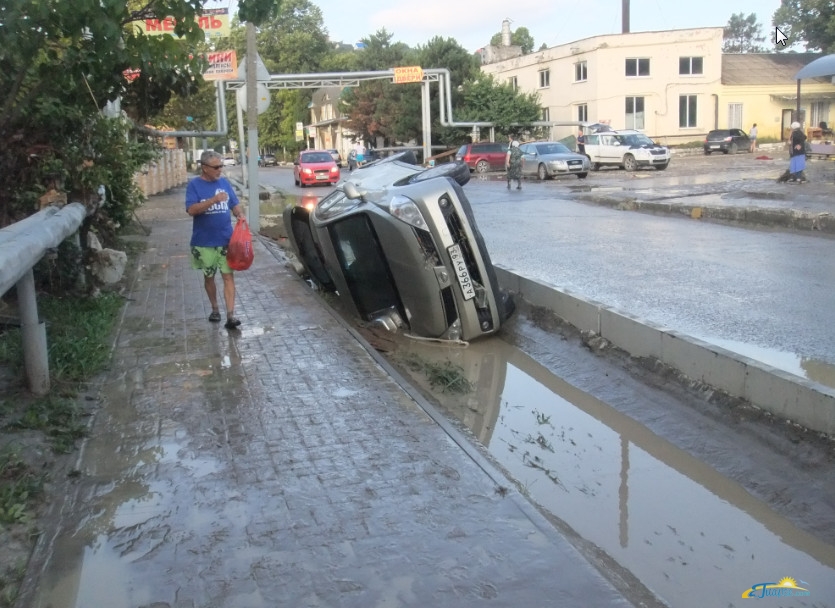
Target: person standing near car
359, 148
581, 143
211, 201
752, 135
513, 163
797, 153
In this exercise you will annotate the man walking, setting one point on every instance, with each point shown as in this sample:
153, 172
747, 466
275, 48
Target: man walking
211, 200
752, 135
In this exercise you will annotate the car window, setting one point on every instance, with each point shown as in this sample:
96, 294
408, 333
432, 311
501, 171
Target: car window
592, 140
636, 139
461, 151
316, 157
552, 148
527, 149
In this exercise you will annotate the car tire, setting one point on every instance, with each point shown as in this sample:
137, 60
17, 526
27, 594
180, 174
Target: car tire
595, 166
583, 175
662, 167
734, 149
542, 172
629, 163
707, 152
482, 166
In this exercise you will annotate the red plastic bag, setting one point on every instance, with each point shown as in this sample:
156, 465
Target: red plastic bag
239, 254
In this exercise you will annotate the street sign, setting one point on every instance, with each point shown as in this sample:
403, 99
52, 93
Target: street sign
263, 94
299, 131
413, 73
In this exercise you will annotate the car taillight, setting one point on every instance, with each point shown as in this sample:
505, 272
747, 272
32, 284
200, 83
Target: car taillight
728, 138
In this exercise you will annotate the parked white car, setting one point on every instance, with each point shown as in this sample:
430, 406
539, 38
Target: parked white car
626, 149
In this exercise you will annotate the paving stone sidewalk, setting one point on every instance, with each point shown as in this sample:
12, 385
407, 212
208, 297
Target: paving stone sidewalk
282, 465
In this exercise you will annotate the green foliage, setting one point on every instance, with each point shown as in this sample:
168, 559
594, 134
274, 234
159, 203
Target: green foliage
19, 487
446, 376
743, 35
810, 21
59, 418
487, 100
78, 334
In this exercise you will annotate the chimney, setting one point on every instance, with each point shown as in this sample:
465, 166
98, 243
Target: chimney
506, 32
624, 16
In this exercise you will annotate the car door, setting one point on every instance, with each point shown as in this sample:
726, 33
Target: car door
529, 160
593, 147
610, 149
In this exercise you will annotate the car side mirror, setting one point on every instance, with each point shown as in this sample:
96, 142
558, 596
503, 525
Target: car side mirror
351, 191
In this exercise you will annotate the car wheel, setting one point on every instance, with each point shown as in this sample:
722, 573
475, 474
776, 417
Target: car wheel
662, 167
582, 175
629, 163
734, 149
595, 166
542, 172
707, 152
482, 166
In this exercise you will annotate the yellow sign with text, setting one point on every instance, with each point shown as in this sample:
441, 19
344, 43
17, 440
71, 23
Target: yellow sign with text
412, 73
223, 65
214, 22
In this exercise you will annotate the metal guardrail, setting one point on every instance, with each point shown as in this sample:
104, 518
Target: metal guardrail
22, 245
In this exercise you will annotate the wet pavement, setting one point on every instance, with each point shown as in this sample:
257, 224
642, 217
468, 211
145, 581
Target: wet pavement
284, 465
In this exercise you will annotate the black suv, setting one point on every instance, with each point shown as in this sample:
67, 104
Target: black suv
727, 140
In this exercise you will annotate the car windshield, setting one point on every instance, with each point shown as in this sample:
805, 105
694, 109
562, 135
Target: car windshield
317, 157
636, 139
552, 148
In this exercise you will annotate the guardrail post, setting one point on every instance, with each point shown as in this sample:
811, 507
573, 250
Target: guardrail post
33, 332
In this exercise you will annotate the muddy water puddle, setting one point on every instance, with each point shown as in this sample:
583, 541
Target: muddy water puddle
685, 531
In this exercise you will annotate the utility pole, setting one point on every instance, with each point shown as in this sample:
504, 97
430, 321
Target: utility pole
254, 209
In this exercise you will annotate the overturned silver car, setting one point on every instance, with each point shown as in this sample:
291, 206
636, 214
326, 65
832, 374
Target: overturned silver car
400, 247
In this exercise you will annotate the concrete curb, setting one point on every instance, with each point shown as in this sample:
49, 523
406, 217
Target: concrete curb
793, 219
780, 393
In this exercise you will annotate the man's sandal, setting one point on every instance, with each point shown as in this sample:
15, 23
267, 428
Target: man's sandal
215, 316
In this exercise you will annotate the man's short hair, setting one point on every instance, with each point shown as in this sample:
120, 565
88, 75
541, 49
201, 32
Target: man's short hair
209, 155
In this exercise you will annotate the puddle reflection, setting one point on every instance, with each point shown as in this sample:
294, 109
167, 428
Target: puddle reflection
679, 526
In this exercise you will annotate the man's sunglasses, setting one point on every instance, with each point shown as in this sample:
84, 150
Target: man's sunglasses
212, 166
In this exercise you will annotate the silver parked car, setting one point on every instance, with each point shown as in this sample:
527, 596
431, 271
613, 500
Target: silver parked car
400, 247
547, 159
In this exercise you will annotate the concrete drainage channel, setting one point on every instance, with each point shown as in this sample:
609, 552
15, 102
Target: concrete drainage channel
663, 515
784, 395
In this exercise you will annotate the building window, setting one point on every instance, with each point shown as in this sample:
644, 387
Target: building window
634, 113
690, 66
734, 115
580, 72
687, 107
637, 67
544, 78
819, 114
582, 113
545, 114
514, 83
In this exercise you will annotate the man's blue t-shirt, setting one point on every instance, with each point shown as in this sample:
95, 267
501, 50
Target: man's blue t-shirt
214, 227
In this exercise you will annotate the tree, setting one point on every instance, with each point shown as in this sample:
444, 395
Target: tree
62, 63
743, 35
485, 100
518, 37
810, 21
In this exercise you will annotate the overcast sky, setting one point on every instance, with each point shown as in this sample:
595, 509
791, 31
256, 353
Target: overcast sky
552, 22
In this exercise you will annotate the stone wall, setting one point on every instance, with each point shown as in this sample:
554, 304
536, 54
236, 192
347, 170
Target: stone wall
167, 172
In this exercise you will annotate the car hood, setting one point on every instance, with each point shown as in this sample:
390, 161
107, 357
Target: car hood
317, 166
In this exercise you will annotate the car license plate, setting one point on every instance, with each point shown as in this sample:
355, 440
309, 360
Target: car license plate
714, 145
461, 271
321, 177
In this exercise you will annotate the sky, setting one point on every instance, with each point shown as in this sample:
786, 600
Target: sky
551, 22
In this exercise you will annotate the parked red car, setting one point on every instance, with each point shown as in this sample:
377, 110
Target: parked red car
315, 167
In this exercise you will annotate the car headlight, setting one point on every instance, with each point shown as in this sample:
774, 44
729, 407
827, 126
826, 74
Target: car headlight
405, 209
559, 164
307, 171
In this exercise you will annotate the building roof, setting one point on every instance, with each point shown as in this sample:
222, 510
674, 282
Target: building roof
325, 96
764, 68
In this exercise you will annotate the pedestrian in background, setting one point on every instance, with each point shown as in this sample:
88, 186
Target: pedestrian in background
752, 135
797, 152
211, 201
513, 163
581, 143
